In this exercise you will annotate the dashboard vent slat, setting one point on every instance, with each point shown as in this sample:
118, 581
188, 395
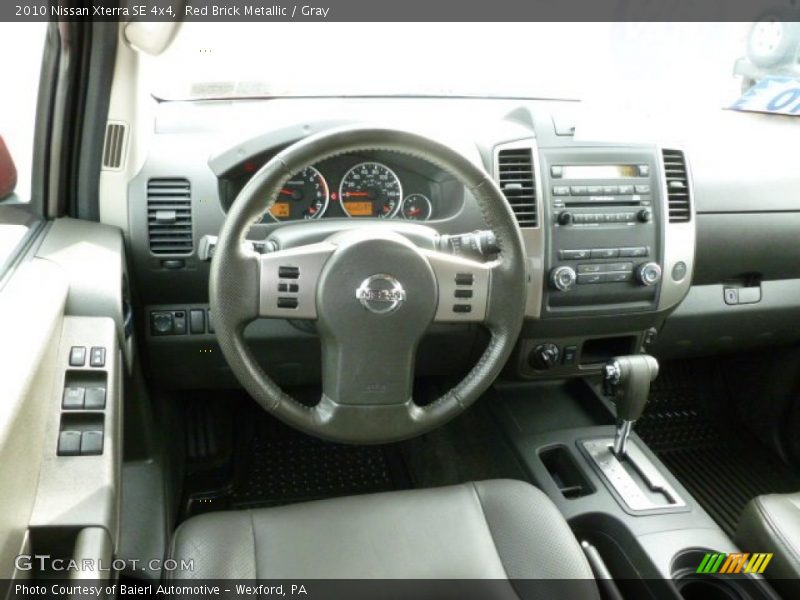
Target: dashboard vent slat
169, 216
114, 146
677, 176
517, 181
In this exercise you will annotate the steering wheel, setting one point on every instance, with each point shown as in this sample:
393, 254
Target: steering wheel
372, 292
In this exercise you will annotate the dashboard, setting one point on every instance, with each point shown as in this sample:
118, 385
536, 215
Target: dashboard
371, 185
683, 251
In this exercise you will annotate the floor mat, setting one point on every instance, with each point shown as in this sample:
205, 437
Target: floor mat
273, 464
689, 423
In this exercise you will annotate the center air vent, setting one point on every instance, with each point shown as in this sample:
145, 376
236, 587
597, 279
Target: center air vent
680, 208
516, 179
169, 216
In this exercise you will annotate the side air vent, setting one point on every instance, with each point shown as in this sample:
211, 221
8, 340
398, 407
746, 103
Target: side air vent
677, 186
114, 146
516, 179
169, 216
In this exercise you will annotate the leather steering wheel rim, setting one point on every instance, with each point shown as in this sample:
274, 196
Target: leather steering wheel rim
239, 290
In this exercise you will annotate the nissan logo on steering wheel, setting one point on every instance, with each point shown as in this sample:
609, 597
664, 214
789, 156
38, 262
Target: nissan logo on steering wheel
381, 294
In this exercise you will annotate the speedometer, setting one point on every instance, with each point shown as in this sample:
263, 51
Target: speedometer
370, 189
304, 196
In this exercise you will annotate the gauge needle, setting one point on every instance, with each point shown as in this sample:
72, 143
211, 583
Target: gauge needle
414, 211
356, 194
286, 191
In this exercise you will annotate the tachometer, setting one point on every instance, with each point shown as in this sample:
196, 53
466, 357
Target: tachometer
416, 207
370, 189
304, 196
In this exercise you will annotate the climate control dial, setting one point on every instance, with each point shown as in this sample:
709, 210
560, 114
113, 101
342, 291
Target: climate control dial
648, 273
563, 278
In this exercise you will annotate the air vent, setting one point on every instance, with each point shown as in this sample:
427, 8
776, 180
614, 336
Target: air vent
169, 216
516, 179
680, 208
114, 147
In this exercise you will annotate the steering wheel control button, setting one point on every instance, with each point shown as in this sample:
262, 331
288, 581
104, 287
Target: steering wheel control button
73, 398
92, 443
563, 278
287, 302
95, 398
648, 273
462, 293
69, 443
97, 356
465, 278
288, 272
77, 356
462, 308
381, 294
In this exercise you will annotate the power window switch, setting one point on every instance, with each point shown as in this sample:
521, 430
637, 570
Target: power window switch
97, 356
69, 443
73, 398
95, 398
462, 308
91, 443
77, 356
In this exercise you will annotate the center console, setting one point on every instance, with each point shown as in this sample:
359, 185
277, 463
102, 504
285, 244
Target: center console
615, 243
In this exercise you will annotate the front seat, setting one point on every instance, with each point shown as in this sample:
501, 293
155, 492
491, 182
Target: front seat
499, 529
771, 523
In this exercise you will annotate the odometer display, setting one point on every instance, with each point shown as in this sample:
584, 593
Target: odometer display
304, 196
370, 189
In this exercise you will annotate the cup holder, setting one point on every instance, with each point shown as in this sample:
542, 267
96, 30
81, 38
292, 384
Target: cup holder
713, 586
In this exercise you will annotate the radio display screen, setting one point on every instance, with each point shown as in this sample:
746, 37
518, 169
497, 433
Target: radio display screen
599, 171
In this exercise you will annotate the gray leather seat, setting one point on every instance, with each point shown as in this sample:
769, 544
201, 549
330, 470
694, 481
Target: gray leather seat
771, 523
484, 530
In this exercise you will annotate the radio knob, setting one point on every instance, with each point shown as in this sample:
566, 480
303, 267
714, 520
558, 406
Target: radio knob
564, 218
563, 278
648, 273
644, 215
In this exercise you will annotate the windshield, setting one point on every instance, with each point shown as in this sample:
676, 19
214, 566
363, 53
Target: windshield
527, 60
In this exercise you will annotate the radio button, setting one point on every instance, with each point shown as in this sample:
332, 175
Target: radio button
616, 277
605, 253
620, 266
594, 190
560, 190
574, 254
590, 278
644, 170
556, 171
584, 269
634, 252
578, 190
642, 189
625, 190
610, 190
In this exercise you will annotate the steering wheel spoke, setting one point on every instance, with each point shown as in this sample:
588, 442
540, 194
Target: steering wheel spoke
464, 287
289, 279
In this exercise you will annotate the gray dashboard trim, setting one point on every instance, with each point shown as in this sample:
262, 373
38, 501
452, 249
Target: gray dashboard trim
533, 237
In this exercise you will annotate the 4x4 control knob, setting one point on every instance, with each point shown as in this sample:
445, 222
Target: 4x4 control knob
648, 273
563, 278
544, 356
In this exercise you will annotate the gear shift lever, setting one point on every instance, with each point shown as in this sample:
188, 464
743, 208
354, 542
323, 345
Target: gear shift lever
627, 382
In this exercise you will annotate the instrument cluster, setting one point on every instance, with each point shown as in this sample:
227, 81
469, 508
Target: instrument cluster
349, 186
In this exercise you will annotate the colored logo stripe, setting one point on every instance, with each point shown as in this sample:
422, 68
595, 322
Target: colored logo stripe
734, 563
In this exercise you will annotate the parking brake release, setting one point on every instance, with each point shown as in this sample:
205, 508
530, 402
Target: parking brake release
627, 382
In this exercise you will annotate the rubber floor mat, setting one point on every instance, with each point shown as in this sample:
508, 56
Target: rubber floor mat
690, 425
